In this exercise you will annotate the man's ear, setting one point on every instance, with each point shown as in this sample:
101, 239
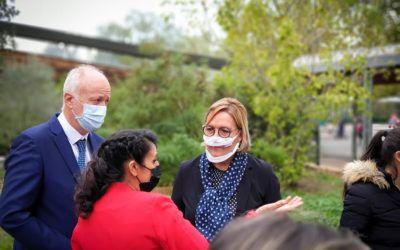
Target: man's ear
68, 99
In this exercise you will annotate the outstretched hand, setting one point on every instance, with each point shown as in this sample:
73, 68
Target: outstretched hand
283, 206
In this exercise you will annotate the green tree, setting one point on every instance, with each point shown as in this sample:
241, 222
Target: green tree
7, 11
27, 97
169, 98
165, 94
382, 111
265, 40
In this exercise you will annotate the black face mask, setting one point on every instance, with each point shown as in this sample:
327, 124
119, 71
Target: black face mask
154, 179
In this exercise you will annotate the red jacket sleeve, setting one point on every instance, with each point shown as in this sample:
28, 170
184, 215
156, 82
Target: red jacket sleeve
75, 239
174, 231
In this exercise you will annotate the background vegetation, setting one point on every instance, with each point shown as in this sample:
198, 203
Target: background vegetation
269, 45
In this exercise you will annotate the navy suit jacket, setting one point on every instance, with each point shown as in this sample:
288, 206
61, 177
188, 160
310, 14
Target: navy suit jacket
36, 203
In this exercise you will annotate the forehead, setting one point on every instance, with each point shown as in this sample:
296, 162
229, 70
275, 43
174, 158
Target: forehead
94, 83
153, 151
222, 119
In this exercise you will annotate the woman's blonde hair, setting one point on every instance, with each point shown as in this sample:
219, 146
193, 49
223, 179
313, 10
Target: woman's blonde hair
239, 114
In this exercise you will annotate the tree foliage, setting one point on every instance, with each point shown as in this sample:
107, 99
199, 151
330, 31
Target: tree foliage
27, 98
266, 39
169, 98
7, 11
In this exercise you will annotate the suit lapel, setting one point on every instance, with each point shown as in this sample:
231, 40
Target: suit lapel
64, 147
94, 144
244, 189
197, 185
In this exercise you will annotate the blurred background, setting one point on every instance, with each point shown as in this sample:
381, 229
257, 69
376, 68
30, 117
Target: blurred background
318, 77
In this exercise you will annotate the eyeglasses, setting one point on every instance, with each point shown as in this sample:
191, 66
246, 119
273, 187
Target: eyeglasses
224, 132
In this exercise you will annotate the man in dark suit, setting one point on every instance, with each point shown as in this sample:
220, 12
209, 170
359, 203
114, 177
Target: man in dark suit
45, 161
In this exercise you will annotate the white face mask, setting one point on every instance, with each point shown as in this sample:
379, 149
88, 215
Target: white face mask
92, 117
216, 141
222, 158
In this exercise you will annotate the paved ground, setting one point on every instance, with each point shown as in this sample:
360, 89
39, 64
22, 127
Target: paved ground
336, 152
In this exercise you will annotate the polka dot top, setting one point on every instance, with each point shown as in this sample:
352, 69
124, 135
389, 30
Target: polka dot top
216, 178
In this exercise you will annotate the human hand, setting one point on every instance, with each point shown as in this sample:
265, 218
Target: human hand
283, 206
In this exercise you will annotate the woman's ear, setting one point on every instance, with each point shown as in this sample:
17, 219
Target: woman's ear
132, 168
397, 159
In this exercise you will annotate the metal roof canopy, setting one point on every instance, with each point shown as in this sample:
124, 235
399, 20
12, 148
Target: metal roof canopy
387, 57
39, 33
389, 99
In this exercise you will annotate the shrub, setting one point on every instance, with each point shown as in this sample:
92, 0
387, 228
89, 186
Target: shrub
27, 97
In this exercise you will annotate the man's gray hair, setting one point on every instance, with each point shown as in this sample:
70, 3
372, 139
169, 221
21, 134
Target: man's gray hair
72, 81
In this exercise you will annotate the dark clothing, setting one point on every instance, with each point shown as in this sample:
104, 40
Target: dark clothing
372, 207
258, 186
36, 204
216, 178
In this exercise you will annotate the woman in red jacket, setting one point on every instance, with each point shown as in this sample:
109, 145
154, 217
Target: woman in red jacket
116, 209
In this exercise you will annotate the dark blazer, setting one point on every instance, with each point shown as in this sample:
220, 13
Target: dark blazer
371, 207
36, 204
258, 186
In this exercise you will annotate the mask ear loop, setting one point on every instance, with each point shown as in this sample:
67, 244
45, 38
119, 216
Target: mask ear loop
137, 177
75, 115
241, 139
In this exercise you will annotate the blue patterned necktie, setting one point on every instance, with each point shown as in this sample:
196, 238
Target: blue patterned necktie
82, 153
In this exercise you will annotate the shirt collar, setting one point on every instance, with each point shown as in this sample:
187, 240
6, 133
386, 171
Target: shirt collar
72, 134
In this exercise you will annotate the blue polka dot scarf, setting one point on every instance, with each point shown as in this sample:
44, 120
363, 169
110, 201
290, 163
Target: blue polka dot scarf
213, 212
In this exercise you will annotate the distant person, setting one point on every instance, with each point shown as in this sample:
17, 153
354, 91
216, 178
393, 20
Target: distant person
341, 129
279, 232
45, 161
371, 206
225, 181
394, 120
359, 128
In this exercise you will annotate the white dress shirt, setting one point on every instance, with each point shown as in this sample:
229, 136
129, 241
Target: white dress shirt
73, 137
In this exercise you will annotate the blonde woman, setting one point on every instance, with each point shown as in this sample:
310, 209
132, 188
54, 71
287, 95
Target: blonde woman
226, 181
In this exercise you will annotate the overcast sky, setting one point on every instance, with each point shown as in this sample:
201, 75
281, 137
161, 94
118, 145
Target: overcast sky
79, 16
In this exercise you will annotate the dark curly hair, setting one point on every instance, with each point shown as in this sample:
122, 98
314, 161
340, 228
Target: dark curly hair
107, 166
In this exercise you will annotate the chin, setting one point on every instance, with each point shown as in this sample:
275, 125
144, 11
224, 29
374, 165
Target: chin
216, 153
